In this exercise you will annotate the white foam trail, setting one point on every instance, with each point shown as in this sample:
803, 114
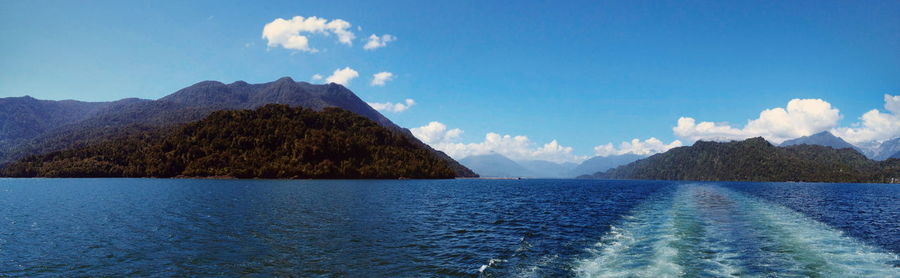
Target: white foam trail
707, 230
640, 247
819, 250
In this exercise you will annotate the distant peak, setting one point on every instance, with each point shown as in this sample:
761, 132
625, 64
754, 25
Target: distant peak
285, 79
238, 83
208, 83
823, 133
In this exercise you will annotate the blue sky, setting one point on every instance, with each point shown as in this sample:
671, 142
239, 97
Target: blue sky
582, 73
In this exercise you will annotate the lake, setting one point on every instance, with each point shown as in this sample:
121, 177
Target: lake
463, 228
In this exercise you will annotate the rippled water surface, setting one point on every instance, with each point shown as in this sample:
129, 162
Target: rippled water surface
467, 228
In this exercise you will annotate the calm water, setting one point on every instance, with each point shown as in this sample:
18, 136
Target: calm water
467, 228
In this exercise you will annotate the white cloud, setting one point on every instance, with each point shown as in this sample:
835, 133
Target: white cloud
342, 76
517, 148
801, 117
393, 107
290, 33
380, 78
316, 77
636, 146
375, 42
875, 125
436, 132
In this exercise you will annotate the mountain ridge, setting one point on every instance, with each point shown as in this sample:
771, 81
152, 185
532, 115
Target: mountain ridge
823, 138
272, 141
195, 102
756, 159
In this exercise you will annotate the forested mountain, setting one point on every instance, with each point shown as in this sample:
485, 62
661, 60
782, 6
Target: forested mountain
756, 159
110, 120
274, 141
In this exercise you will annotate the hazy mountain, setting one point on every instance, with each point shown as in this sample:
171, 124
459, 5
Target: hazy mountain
756, 159
548, 169
495, 165
823, 138
273, 141
107, 120
880, 150
887, 149
25, 118
602, 163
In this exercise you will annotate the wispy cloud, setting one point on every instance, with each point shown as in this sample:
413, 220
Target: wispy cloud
379, 79
393, 107
375, 42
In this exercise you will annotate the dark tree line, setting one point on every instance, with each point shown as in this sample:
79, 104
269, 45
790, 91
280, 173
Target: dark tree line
756, 160
273, 141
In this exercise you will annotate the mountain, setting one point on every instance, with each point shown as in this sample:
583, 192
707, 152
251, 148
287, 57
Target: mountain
25, 118
273, 141
109, 120
756, 159
887, 149
602, 163
495, 165
548, 169
823, 138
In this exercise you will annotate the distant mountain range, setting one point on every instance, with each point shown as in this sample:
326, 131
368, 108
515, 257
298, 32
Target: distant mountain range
887, 149
873, 150
549, 169
497, 165
756, 159
67, 124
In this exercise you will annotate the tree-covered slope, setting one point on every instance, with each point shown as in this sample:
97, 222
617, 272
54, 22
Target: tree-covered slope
756, 160
273, 141
187, 105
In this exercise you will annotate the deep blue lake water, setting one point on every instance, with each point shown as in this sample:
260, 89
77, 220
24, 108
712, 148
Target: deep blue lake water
465, 228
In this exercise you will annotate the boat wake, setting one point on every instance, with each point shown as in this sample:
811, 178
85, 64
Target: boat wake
708, 230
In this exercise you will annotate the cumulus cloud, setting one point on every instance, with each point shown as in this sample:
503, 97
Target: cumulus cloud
316, 77
636, 146
375, 42
436, 132
393, 107
518, 148
801, 117
874, 125
379, 79
342, 76
291, 33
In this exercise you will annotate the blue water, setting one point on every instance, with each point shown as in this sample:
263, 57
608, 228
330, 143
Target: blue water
464, 228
